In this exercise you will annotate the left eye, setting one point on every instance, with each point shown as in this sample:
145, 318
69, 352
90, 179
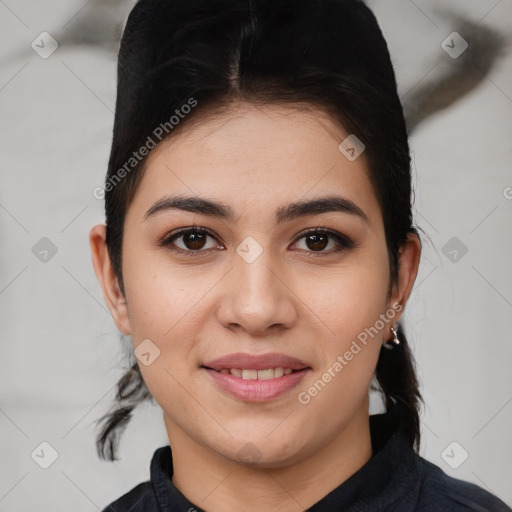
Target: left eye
318, 240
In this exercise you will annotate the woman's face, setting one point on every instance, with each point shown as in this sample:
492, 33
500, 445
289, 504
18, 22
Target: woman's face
256, 283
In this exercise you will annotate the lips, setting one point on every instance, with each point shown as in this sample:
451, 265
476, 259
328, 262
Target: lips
256, 378
255, 362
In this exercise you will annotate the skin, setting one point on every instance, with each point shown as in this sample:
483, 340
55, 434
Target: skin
295, 298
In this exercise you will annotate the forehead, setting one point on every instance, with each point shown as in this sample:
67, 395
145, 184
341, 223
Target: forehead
258, 158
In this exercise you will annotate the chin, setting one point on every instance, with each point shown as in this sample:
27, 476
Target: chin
258, 451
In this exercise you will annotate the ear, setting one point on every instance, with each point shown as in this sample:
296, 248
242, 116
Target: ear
104, 271
409, 260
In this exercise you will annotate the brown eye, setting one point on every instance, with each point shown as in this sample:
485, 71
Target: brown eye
190, 240
317, 240
194, 241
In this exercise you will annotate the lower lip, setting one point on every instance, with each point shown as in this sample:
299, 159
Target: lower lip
255, 390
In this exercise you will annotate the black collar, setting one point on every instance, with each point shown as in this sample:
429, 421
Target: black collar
392, 475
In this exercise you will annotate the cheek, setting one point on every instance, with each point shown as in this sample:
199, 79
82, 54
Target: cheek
351, 307
163, 297
167, 305
350, 298
350, 303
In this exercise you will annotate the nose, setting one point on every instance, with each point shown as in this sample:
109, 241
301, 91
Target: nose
256, 297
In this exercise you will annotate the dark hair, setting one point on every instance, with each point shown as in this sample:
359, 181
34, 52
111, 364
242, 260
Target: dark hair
328, 54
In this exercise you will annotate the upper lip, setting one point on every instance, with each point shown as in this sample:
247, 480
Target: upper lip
256, 362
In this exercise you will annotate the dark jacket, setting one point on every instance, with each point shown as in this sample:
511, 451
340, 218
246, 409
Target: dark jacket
395, 479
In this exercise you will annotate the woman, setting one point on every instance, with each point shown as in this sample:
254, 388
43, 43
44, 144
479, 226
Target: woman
259, 250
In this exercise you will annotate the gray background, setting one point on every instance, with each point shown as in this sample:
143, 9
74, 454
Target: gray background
61, 353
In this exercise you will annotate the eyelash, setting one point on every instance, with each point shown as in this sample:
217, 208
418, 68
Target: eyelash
344, 243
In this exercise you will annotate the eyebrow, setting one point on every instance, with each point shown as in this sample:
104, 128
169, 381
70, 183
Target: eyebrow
289, 212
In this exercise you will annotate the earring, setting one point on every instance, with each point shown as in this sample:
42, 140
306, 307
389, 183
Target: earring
394, 342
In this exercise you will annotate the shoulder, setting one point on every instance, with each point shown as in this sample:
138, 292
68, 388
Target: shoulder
140, 498
440, 491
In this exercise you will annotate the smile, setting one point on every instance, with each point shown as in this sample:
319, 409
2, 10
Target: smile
251, 374
256, 377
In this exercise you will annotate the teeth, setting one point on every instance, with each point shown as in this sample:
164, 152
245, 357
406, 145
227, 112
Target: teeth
270, 373
266, 374
249, 374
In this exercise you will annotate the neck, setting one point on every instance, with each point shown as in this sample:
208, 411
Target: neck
218, 484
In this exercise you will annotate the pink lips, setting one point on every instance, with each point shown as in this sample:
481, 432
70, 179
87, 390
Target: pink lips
262, 362
254, 390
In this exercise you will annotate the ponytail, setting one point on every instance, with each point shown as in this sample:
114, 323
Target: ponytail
131, 391
396, 376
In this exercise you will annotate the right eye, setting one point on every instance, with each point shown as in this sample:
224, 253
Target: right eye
193, 240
